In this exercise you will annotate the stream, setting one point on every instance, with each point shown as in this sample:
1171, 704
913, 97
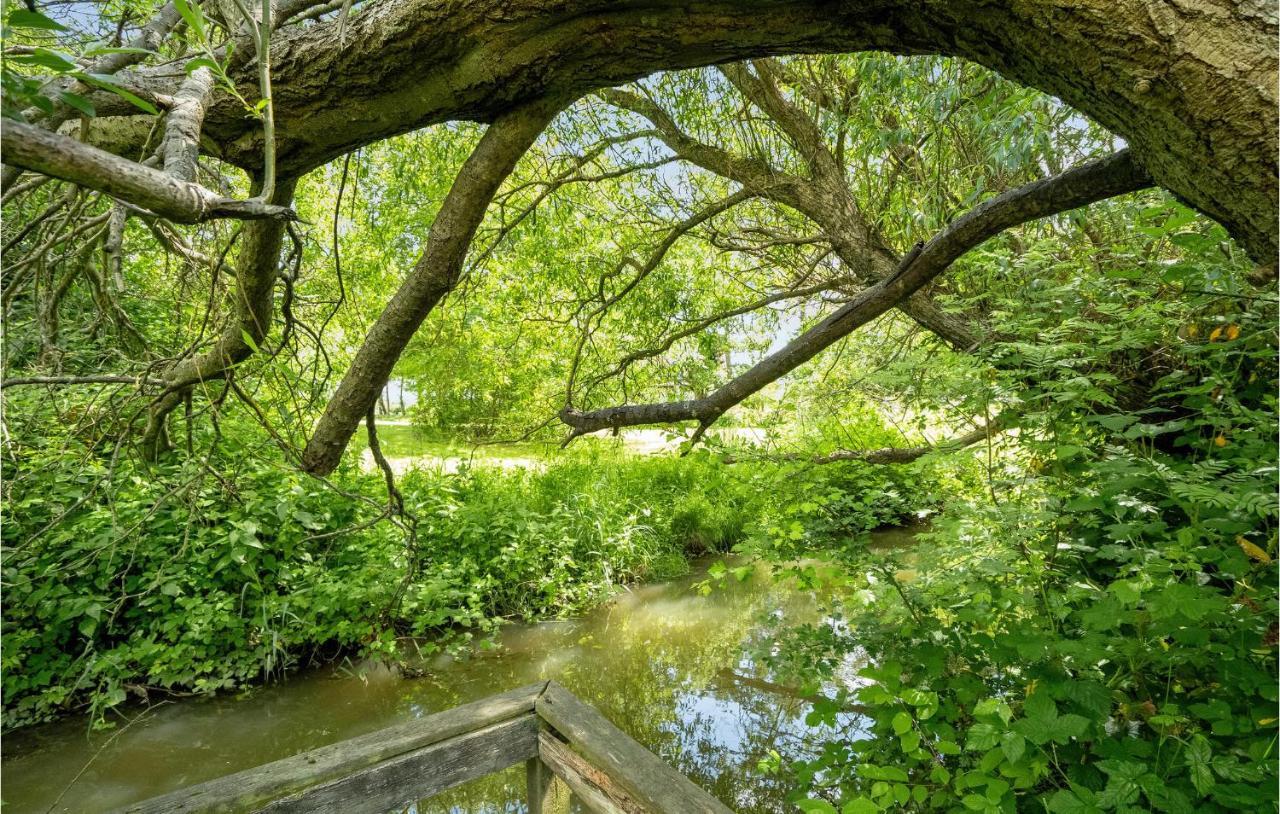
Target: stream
666, 663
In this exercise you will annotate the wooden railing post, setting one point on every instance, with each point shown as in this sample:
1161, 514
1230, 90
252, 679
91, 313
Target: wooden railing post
540, 785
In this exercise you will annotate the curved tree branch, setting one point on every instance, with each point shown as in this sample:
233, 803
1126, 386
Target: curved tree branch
1094, 181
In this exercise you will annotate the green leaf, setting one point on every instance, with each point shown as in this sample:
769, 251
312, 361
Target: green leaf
78, 102
109, 83
25, 18
1013, 745
982, 736
48, 58
816, 807
1071, 802
1165, 798
860, 805
901, 723
202, 62
103, 51
193, 16
1123, 782
1199, 754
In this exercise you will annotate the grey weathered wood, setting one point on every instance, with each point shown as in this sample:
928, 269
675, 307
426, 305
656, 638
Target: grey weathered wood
593, 786
33, 148
422, 773
244, 790
539, 787
655, 784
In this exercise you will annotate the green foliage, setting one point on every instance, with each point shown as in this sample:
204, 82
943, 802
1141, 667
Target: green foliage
1097, 632
219, 573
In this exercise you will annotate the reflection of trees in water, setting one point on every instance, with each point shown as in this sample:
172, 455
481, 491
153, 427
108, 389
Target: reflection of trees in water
665, 686
661, 666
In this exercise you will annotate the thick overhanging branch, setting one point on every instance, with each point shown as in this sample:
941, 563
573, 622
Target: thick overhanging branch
1192, 92
61, 157
148, 40
1094, 181
180, 147
434, 275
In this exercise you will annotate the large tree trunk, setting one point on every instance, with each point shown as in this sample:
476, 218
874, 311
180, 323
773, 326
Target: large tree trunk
1191, 85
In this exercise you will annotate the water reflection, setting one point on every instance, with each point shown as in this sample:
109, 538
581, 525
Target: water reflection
664, 662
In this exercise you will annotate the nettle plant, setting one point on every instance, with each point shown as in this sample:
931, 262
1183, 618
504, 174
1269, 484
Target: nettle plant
1098, 632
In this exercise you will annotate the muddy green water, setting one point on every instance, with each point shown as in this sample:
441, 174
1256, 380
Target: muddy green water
667, 664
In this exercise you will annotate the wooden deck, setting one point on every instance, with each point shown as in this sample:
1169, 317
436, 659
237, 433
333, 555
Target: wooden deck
566, 745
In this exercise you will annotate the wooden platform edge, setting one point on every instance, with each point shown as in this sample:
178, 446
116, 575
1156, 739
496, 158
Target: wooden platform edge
259, 786
658, 787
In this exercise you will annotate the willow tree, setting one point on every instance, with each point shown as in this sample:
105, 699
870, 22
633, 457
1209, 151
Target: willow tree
1190, 87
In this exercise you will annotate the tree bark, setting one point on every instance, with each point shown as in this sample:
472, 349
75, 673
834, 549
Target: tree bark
433, 276
58, 156
1190, 85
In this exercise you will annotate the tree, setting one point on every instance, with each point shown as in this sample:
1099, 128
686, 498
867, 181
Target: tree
1191, 89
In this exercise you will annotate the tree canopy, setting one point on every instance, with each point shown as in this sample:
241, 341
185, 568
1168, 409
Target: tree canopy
1016, 256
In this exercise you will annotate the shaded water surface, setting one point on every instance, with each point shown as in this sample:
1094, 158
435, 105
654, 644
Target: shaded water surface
666, 663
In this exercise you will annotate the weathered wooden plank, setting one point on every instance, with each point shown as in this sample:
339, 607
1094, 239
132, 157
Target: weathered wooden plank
599, 792
243, 791
655, 784
422, 773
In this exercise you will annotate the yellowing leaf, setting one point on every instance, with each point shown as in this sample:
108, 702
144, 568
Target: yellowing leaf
1253, 551
1221, 440
1233, 331
1193, 331
1214, 334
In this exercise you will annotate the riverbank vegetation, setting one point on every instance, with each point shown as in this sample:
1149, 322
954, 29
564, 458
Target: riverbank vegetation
841, 292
